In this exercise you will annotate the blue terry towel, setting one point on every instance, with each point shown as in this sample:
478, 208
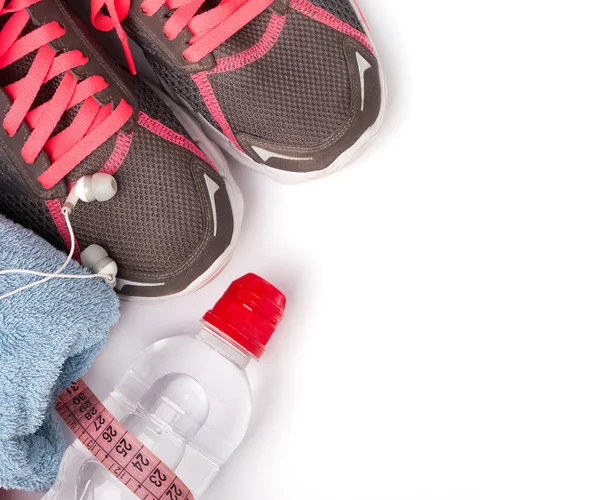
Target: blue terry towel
49, 336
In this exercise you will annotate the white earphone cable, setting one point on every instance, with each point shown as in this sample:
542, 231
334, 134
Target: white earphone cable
58, 273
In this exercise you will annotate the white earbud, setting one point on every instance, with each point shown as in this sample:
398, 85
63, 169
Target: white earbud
97, 260
97, 187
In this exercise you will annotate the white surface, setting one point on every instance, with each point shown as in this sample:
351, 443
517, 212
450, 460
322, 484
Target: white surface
441, 341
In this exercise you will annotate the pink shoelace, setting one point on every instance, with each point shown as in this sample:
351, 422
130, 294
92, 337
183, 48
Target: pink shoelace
209, 29
92, 126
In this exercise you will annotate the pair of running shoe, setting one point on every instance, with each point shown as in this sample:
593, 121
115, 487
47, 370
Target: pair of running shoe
292, 88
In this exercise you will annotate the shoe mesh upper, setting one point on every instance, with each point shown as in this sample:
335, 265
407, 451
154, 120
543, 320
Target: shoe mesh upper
159, 215
183, 85
155, 107
299, 93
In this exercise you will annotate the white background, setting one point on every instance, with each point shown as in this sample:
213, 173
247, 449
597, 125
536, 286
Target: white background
442, 337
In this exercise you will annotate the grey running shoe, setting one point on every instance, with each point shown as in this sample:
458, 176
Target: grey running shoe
293, 88
173, 222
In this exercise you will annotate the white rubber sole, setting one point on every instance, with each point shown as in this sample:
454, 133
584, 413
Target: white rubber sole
286, 177
215, 155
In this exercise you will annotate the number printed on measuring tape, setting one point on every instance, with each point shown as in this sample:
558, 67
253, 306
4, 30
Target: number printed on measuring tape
140, 470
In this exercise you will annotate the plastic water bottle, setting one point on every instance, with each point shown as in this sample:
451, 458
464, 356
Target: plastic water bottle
186, 398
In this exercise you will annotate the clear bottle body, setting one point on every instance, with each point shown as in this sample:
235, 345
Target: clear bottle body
188, 399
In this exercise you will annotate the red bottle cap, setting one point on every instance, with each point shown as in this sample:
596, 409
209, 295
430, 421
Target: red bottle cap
248, 313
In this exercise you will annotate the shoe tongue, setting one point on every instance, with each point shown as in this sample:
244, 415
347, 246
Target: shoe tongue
19, 70
209, 4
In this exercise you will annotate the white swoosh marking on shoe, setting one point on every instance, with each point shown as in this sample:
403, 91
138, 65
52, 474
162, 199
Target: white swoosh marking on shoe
267, 155
213, 187
363, 66
122, 283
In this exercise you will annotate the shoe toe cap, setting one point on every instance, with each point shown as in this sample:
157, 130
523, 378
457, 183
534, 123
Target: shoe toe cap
170, 222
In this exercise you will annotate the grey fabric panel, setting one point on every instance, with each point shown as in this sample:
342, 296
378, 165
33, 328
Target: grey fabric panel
342, 9
299, 93
183, 85
155, 107
158, 217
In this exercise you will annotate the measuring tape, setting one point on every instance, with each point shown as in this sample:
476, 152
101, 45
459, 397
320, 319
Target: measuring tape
140, 470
